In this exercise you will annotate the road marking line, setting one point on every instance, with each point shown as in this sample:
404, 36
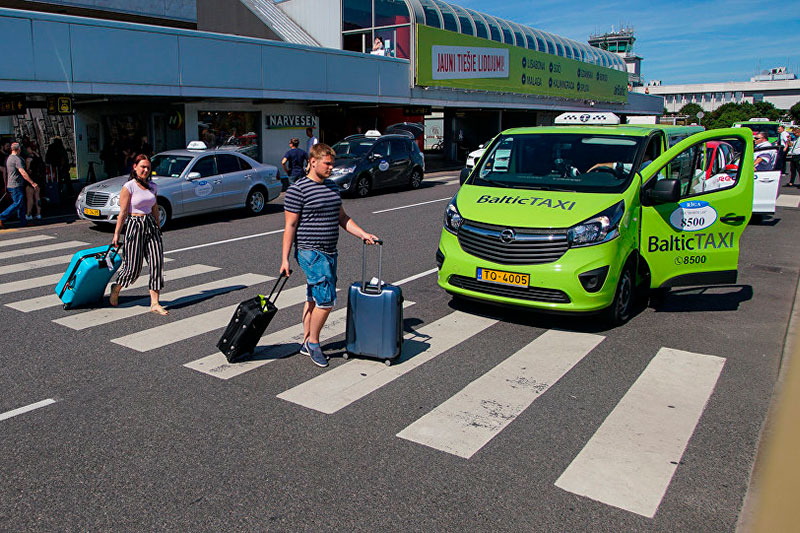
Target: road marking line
51, 300
271, 348
43, 263
187, 328
416, 276
26, 409
412, 205
347, 383
225, 241
480, 411
630, 460
31, 283
106, 315
23, 240
41, 249
788, 200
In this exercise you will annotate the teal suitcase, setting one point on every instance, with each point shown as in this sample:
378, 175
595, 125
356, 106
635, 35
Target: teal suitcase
86, 278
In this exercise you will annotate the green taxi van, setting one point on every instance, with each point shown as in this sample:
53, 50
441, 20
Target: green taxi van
580, 216
770, 127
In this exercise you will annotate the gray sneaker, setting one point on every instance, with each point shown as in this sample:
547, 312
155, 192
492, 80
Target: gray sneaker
317, 357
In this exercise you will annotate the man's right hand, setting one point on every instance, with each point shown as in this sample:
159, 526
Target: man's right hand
285, 271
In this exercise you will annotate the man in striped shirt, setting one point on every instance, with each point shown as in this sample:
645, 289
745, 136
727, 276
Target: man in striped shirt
313, 211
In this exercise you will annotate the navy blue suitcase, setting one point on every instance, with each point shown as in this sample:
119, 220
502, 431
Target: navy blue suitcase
88, 273
374, 316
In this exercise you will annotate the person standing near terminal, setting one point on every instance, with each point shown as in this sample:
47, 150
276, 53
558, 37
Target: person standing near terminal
17, 177
137, 205
294, 161
311, 140
313, 212
784, 143
794, 159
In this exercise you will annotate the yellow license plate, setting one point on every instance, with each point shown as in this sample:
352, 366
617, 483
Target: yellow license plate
505, 278
92, 212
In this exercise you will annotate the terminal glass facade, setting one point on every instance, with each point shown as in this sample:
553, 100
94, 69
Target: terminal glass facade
363, 20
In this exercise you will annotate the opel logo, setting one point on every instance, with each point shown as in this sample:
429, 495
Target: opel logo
507, 236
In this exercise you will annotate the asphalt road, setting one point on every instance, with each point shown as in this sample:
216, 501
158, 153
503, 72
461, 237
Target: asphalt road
137, 440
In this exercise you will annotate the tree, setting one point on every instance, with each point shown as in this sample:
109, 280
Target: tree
794, 112
691, 110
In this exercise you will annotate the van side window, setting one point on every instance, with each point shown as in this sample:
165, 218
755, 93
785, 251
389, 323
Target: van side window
703, 168
652, 151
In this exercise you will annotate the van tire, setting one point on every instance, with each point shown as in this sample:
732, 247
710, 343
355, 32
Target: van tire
415, 182
622, 307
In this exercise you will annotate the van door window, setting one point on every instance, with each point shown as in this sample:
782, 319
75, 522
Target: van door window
701, 168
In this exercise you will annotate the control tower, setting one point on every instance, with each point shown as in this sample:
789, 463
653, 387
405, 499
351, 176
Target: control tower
621, 43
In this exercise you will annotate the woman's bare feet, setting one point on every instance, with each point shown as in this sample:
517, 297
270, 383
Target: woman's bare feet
113, 299
158, 309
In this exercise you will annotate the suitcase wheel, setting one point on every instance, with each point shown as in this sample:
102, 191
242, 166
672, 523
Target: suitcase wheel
346, 356
65, 306
388, 362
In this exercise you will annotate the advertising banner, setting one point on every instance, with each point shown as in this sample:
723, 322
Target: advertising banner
450, 59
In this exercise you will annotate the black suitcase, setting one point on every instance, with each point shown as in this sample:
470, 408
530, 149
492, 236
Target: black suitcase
248, 324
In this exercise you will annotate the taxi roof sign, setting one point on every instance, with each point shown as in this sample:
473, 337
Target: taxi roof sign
197, 145
589, 119
372, 133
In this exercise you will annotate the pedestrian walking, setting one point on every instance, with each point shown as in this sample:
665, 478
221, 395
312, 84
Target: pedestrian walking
17, 177
311, 140
313, 213
794, 159
36, 170
294, 161
138, 207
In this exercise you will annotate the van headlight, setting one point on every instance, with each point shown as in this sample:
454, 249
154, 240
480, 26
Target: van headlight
452, 218
601, 228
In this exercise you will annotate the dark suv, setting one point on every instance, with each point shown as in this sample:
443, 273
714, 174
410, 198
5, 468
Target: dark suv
373, 161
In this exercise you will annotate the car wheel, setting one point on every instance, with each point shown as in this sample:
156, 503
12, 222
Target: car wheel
363, 186
163, 214
256, 201
621, 308
416, 179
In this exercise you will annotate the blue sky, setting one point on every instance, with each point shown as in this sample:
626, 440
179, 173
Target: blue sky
681, 42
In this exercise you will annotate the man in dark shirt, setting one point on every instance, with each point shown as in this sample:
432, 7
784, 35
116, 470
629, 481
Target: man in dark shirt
294, 160
314, 212
17, 176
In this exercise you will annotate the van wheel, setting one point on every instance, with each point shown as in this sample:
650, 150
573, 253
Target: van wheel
255, 202
416, 179
363, 186
621, 308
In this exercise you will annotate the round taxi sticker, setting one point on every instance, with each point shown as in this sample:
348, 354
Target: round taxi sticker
383, 166
693, 215
203, 188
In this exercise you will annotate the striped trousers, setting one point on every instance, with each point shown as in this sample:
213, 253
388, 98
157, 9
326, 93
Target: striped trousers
142, 237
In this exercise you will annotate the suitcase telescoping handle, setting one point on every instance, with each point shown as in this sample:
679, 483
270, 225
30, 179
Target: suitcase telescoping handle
282, 279
364, 287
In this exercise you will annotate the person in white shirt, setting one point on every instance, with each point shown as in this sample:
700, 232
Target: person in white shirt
784, 143
311, 139
794, 158
765, 159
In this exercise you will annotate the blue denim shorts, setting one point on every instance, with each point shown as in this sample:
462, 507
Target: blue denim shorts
320, 271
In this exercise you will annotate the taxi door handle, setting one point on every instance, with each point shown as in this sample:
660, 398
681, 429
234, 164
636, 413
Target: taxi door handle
248, 176
731, 219
217, 182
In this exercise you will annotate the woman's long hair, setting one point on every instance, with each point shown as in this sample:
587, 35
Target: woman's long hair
135, 176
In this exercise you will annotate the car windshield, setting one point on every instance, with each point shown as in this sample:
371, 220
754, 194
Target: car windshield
562, 162
170, 166
354, 148
770, 129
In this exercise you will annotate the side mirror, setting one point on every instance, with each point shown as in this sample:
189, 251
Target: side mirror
665, 192
480, 146
376, 156
193, 176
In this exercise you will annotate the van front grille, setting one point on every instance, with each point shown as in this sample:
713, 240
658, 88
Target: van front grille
512, 246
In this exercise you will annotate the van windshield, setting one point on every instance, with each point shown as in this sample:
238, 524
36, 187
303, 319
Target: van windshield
562, 162
770, 129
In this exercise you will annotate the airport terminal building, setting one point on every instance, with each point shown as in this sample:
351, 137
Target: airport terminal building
254, 73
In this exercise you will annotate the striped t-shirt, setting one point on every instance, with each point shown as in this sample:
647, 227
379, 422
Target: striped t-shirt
318, 205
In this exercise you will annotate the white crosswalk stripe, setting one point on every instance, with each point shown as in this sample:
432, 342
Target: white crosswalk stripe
41, 249
27, 266
30, 283
788, 200
172, 299
51, 300
347, 383
630, 460
271, 348
187, 328
469, 420
25, 240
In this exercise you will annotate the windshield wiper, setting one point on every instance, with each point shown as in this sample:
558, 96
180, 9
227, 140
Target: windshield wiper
498, 183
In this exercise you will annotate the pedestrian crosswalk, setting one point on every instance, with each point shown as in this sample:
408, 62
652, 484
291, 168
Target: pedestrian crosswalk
628, 463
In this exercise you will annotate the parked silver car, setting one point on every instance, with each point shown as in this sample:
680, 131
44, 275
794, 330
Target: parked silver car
190, 182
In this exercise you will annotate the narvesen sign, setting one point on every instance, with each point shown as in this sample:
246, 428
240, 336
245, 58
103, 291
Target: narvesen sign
450, 59
461, 62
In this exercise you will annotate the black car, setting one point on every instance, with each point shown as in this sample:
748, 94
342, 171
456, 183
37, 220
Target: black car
373, 161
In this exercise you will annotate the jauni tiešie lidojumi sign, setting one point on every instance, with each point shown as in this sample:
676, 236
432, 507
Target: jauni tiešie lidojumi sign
450, 59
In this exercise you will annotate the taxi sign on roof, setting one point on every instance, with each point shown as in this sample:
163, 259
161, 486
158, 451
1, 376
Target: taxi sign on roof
372, 133
197, 145
593, 119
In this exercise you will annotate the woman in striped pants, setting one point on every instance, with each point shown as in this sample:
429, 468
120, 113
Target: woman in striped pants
137, 205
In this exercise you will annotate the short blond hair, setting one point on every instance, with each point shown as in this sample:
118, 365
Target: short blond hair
321, 150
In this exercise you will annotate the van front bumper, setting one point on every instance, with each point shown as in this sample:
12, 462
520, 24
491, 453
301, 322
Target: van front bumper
553, 287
